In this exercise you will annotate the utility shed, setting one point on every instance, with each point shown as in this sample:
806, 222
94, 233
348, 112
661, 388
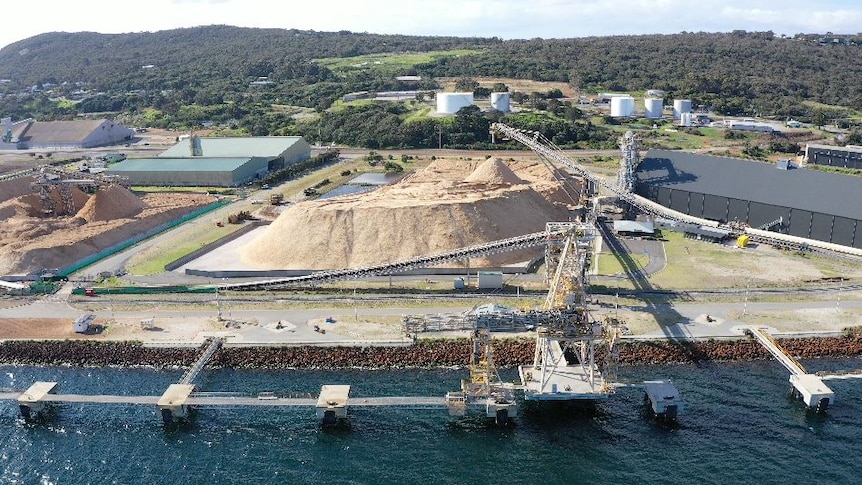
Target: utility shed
634, 228
812, 204
490, 279
190, 172
705, 233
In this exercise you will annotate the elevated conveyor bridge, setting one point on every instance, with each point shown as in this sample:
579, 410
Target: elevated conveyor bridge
385, 269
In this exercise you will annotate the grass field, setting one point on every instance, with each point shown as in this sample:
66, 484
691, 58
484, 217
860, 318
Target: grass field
390, 61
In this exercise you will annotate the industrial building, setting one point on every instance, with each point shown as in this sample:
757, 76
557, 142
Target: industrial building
809, 203
834, 156
219, 162
33, 135
190, 172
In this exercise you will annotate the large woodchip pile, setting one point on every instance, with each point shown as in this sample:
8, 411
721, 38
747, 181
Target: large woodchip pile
449, 205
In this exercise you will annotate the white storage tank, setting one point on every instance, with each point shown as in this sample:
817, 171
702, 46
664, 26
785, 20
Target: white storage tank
450, 103
681, 106
500, 102
653, 107
686, 119
622, 106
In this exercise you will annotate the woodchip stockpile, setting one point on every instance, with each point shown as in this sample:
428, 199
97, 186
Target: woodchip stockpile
448, 205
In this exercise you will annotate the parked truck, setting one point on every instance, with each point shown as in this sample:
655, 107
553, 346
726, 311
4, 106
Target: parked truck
276, 199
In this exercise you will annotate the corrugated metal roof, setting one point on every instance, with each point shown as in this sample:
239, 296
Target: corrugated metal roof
848, 148
812, 190
47, 132
197, 164
634, 226
252, 146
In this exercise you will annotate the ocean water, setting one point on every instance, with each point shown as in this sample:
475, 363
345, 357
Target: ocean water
739, 426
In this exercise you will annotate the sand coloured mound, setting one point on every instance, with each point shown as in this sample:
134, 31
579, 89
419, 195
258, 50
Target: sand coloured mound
13, 188
113, 202
493, 172
428, 212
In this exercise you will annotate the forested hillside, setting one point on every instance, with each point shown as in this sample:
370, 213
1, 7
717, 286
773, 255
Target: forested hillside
257, 81
197, 56
735, 73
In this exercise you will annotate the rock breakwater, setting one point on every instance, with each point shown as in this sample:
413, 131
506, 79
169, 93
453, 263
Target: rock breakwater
438, 353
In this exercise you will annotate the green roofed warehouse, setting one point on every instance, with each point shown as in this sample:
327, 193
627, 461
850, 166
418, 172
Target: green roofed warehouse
221, 162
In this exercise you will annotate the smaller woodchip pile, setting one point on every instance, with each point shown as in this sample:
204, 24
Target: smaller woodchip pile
32, 239
449, 205
114, 202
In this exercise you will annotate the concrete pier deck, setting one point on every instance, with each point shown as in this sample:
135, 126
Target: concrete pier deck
561, 381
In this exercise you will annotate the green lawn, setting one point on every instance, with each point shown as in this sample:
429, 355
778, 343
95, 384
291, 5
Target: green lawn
417, 114
609, 264
153, 260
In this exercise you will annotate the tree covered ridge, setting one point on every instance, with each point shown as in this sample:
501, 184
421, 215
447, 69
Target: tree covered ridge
735, 73
197, 55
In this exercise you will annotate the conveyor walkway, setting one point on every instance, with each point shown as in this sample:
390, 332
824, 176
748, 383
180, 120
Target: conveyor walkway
192, 374
777, 351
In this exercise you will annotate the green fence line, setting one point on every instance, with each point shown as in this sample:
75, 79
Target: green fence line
144, 290
65, 272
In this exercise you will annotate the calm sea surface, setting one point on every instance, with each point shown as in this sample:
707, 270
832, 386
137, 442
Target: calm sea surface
739, 427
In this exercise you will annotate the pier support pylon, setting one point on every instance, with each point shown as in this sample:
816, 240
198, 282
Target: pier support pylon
173, 405
332, 404
31, 403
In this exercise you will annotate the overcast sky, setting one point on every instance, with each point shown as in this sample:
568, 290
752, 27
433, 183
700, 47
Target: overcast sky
507, 19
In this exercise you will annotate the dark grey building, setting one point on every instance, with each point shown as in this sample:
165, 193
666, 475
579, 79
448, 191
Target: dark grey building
833, 156
812, 204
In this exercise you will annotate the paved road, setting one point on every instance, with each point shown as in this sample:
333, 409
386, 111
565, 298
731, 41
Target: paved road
692, 321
